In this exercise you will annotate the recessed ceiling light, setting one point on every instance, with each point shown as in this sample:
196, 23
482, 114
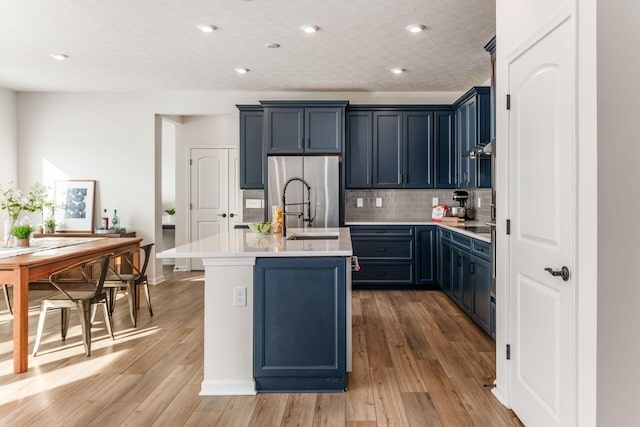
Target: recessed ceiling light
415, 28
207, 28
59, 56
242, 70
398, 70
272, 45
309, 29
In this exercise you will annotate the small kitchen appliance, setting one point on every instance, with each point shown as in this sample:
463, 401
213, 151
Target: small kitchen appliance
461, 197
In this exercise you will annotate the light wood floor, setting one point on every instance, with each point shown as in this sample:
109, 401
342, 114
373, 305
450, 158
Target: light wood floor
418, 361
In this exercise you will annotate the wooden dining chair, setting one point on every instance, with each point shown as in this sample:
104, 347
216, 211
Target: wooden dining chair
130, 276
79, 286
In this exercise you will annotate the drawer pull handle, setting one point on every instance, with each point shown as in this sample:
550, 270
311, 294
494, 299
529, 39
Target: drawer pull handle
381, 250
381, 231
380, 273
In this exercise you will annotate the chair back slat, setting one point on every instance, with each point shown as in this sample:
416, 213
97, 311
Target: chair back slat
86, 269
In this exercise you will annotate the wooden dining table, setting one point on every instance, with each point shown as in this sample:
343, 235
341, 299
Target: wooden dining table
20, 270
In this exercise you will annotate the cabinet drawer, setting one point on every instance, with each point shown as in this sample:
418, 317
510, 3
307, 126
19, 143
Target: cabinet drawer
385, 231
461, 240
481, 249
372, 248
445, 234
384, 273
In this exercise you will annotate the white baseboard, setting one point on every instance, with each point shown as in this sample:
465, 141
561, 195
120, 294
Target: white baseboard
228, 388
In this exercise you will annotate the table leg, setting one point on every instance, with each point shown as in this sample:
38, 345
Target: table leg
20, 320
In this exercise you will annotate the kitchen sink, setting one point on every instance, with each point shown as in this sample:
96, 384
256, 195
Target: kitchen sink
314, 236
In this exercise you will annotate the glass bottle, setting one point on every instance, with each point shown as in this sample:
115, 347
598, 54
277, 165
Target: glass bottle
105, 220
115, 221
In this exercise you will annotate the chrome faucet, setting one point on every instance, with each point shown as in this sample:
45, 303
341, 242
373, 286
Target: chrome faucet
298, 214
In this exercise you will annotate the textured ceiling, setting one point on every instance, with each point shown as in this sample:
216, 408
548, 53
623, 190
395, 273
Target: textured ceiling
143, 45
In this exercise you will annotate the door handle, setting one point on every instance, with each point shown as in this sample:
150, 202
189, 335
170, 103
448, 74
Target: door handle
231, 215
223, 215
563, 272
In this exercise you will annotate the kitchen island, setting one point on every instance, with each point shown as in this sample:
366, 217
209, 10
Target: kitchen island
316, 261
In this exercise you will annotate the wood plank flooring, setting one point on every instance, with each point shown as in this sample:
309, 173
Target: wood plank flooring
418, 361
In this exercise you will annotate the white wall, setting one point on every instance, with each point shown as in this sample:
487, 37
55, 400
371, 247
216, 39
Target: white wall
8, 137
168, 165
111, 137
618, 390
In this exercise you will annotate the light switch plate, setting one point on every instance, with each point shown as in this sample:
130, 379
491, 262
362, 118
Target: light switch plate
479, 202
253, 203
434, 201
359, 202
378, 202
239, 296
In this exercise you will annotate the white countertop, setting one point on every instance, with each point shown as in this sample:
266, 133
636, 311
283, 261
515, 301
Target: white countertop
485, 237
240, 243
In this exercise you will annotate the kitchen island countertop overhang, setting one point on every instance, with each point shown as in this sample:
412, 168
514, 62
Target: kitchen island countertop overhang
229, 259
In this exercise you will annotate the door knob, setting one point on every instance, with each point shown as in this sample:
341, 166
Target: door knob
563, 272
231, 215
224, 215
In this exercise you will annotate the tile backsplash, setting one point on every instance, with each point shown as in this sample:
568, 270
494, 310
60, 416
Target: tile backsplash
250, 215
411, 205
397, 205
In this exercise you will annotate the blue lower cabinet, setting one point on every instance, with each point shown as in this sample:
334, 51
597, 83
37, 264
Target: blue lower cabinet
426, 255
299, 324
482, 293
464, 273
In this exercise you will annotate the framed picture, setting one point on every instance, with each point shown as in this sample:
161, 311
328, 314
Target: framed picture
73, 205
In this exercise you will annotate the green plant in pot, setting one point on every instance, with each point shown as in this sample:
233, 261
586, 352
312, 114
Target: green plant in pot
22, 233
49, 225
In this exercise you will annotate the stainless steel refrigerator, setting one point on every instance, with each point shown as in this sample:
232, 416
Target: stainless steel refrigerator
320, 204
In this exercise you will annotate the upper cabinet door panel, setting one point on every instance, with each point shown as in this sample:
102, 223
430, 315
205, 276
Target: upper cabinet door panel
444, 147
387, 149
284, 130
251, 157
359, 149
323, 130
418, 143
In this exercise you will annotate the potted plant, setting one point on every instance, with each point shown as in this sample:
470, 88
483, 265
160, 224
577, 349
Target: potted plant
169, 218
22, 233
49, 225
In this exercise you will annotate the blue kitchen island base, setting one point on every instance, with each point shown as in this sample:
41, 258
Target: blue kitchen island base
300, 324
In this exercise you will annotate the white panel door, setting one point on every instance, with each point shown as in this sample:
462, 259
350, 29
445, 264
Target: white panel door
542, 158
209, 198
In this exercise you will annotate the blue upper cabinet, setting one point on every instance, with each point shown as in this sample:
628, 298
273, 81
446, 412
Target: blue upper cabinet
292, 127
359, 149
324, 129
251, 157
387, 149
473, 127
284, 130
418, 149
400, 147
403, 149
444, 150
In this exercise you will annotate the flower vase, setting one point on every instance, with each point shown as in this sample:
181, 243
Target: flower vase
22, 242
8, 237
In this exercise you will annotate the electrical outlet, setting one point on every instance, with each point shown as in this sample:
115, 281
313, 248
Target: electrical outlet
253, 203
434, 201
378, 202
359, 202
239, 296
479, 202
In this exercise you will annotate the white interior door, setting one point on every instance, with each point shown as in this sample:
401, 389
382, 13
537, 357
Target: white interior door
214, 198
542, 200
